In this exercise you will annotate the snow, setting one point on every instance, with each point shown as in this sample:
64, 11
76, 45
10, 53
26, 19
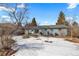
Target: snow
38, 47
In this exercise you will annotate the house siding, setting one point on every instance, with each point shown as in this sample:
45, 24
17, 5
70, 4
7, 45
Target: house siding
54, 31
60, 32
50, 30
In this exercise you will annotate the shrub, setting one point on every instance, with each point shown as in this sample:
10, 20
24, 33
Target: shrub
7, 52
34, 35
19, 32
6, 41
25, 36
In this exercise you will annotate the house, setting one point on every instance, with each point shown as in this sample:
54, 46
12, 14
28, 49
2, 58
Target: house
54, 30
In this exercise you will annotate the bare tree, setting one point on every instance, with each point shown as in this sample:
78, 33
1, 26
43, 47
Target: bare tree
6, 40
17, 12
18, 15
71, 27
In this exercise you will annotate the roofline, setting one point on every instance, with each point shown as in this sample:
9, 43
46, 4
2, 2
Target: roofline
49, 27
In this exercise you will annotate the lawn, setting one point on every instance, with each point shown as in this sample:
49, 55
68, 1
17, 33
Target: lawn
45, 46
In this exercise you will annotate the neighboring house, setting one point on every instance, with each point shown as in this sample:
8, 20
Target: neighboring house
54, 30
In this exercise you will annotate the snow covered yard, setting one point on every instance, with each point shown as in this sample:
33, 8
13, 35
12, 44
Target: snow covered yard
45, 46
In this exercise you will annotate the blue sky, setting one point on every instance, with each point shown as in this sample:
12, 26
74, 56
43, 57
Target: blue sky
47, 13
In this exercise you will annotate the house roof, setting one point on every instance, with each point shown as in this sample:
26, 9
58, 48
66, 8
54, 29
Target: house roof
48, 27
53, 26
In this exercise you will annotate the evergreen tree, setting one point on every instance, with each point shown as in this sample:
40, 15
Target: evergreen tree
75, 23
34, 23
61, 19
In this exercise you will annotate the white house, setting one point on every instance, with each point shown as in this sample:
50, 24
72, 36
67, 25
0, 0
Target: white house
54, 30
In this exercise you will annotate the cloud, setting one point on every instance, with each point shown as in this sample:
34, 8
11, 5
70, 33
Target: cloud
72, 18
21, 5
72, 5
46, 23
6, 9
5, 18
77, 17
69, 18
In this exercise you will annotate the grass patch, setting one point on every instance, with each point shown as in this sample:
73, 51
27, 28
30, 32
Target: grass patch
75, 40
